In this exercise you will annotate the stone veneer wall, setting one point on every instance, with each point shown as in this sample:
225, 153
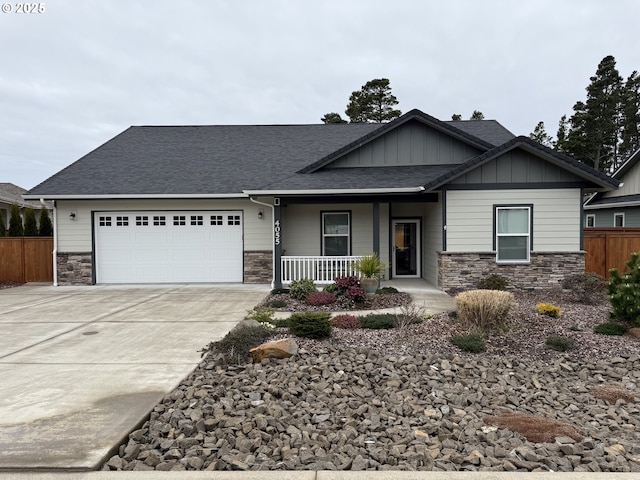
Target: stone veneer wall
258, 266
75, 269
462, 271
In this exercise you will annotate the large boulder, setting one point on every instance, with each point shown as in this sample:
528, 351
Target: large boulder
278, 349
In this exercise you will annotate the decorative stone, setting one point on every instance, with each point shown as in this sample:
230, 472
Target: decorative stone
279, 349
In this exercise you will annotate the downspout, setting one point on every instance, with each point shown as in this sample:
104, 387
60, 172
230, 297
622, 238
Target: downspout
273, 240
55, 241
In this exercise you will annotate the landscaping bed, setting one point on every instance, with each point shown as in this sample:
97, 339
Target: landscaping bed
408, 399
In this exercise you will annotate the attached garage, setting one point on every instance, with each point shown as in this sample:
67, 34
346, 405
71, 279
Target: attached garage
168, 246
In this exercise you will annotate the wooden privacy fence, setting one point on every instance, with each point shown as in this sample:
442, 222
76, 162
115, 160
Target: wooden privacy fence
609, 248
26, 259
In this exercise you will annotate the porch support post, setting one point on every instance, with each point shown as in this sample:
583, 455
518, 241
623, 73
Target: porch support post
277, 244
376, 228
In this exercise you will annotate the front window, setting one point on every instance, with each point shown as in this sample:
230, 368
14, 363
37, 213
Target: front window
618, 219
591, 221
513, 234
336, 230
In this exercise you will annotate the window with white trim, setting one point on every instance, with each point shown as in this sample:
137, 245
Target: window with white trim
618, 219
591, 220
513, 234
336, 233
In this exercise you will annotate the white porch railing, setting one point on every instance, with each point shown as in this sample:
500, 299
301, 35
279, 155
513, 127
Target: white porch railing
322, 270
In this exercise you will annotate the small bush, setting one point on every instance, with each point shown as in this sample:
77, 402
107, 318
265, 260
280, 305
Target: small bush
624, 291
346, 321
493, 282
386, 291
310, 324
277, 303
560, 344
484, 309
610, 329
320, 298
235, 346
278, 291
472, 343
588, 288
331, 288
281, 322
261, 314
549, 310
300, 289
343, 284
378, 321
357, 294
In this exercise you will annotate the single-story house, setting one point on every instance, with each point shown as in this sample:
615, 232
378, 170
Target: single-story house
621, 207
11, 194
449, 202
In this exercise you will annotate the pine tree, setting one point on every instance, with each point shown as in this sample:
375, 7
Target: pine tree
593, 137
540, 135
332, 117
15, 222
630, 121
456, 117
3, 226
373, 103
30, 224
561, 136
46, 228
477, 115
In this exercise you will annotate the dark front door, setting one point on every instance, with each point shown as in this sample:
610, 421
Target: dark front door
406, 248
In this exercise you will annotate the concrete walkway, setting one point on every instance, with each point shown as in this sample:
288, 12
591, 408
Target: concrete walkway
82, 366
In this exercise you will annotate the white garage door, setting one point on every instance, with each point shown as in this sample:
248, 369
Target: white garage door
168, 247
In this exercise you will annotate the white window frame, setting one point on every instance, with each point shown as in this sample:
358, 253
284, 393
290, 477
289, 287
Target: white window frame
616, 216
590, 221
528, 234
325, 235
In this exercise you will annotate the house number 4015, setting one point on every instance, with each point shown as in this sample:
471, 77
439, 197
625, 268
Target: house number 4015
276, 232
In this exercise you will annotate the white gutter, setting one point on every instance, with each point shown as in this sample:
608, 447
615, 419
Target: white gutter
55, 242
273, 240
326, 191
612, 205
136, 196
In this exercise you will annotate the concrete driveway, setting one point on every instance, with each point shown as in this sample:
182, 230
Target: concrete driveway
82, 366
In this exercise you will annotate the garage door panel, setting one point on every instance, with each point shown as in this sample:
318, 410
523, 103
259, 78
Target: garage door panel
166, 247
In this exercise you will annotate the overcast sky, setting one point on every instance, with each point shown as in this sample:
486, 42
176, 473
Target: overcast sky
82, 71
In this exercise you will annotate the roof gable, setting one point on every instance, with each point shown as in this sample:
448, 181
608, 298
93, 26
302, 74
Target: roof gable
523, 161
414, 116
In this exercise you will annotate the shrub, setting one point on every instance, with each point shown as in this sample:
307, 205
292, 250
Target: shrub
3, 227
492, 282
281, 322
343, 284
588, 288
386, 291
261, 314
357, 294
300, 289
16, 229
624, 291
472, 343
345, 321
378, 321
331, 288
320, 298
235, 346
560, 344
549, 310
610, 329
310, 324
484, 309
45, 229
30, 224
277, 303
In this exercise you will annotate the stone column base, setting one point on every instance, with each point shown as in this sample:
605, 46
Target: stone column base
75, 268
258, 266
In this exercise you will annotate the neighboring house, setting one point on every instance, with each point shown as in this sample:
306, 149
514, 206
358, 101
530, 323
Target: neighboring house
449, 202
12, 194
617, 208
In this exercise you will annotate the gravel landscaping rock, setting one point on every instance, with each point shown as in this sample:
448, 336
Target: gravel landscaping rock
407, 400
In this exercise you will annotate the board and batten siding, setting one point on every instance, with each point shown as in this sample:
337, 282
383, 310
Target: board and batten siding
556, 218
631, 185
410, 144
301, 228
76, 235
